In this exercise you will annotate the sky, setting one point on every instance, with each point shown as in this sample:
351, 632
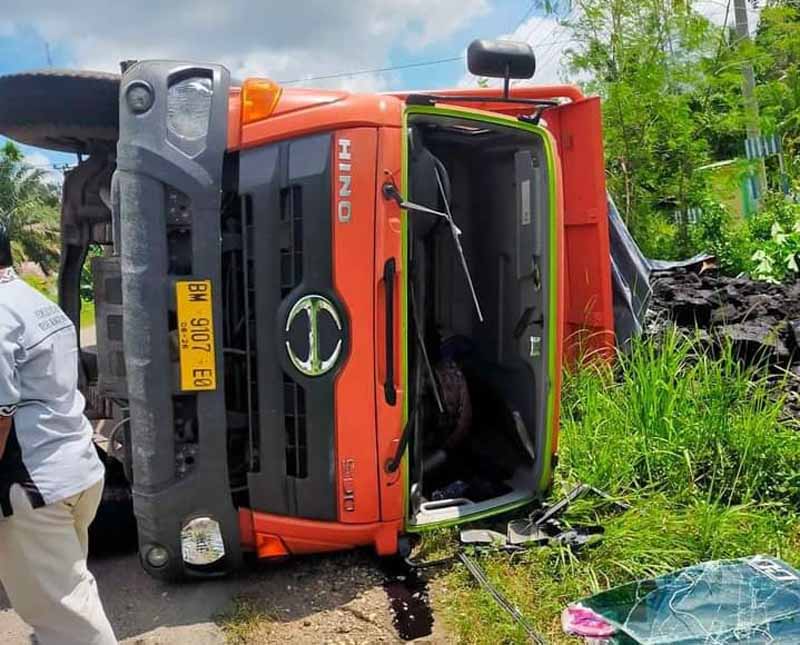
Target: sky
291, 42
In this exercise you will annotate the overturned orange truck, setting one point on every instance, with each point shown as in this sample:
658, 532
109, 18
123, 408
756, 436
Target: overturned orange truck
291, 281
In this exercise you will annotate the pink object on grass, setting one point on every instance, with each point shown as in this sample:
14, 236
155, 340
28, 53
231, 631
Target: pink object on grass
580, 621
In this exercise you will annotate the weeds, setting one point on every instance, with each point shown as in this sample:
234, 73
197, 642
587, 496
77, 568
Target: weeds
675, 418
245, 622
694, 441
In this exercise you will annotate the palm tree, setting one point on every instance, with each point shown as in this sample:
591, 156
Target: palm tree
29, 209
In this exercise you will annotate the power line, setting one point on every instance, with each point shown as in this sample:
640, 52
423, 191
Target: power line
49, 166
377, 70
527, 14
543, 25
392, 68
559, 25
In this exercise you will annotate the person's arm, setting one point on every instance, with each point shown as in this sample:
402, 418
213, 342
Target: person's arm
9, 380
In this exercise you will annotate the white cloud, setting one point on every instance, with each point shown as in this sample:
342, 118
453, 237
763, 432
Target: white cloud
283, 40
40, 162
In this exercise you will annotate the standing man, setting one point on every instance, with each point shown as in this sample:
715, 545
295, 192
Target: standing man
51, 479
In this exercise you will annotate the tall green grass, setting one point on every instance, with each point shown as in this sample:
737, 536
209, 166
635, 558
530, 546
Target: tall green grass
694, 441
677, 418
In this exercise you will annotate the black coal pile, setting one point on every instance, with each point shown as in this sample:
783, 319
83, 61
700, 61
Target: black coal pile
761, 320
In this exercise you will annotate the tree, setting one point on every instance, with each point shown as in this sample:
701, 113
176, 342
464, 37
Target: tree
777, 66
650, 61
672, 103
29, 209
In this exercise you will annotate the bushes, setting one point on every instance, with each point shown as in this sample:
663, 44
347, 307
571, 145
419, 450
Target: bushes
775, 238
766, 246
718, 233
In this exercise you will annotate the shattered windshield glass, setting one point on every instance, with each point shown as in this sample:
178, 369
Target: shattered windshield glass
750, 600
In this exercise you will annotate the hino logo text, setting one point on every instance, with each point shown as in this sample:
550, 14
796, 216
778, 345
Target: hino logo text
345, 206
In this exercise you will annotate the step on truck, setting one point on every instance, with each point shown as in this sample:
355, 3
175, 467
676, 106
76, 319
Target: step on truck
324, 319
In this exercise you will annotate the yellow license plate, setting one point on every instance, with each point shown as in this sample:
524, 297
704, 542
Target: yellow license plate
196, 335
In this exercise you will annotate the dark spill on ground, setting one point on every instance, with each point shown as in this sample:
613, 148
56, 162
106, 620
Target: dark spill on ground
408, 597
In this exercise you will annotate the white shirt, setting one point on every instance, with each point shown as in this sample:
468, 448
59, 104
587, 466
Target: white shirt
50, 451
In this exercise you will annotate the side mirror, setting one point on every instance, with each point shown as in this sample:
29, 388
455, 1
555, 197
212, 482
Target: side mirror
505, 59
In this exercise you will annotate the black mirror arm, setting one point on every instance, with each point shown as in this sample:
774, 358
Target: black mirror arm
390, 192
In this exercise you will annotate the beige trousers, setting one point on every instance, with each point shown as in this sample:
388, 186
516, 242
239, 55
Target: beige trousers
43, 569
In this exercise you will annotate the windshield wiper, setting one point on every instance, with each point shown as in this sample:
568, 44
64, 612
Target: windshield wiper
456, 232
390, 192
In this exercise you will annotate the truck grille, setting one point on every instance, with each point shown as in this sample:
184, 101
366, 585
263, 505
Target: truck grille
291, 239
294, 422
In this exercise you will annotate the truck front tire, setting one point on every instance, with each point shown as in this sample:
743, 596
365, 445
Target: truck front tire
60, 110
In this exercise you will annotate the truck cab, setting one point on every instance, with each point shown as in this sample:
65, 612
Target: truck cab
328, 320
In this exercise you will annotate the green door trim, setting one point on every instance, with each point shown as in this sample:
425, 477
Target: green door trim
552, 324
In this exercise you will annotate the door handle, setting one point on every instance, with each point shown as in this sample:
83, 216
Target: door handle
389, 389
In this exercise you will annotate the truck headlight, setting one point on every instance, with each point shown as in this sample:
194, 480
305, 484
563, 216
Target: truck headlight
201, 541
189, 107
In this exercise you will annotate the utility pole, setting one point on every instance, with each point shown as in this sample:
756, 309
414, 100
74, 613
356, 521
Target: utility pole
748, 89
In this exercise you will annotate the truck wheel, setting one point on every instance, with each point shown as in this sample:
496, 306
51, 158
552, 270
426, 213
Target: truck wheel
62, 110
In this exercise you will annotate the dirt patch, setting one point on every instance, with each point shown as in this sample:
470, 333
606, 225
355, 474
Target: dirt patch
329, 599
337, 599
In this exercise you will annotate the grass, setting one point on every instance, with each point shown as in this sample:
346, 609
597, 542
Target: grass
246, 622
44, 285
693, 441
48, 287
87, 314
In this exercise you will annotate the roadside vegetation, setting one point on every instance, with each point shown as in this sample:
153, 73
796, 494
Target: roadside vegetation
246, 622
696, 444
670, 80
29, 209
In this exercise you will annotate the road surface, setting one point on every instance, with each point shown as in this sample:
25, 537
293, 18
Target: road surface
336, 598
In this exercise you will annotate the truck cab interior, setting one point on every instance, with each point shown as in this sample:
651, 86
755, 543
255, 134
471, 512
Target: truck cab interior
478, 292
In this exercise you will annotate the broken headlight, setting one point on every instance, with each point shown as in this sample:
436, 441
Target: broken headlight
201, 542
189, 107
